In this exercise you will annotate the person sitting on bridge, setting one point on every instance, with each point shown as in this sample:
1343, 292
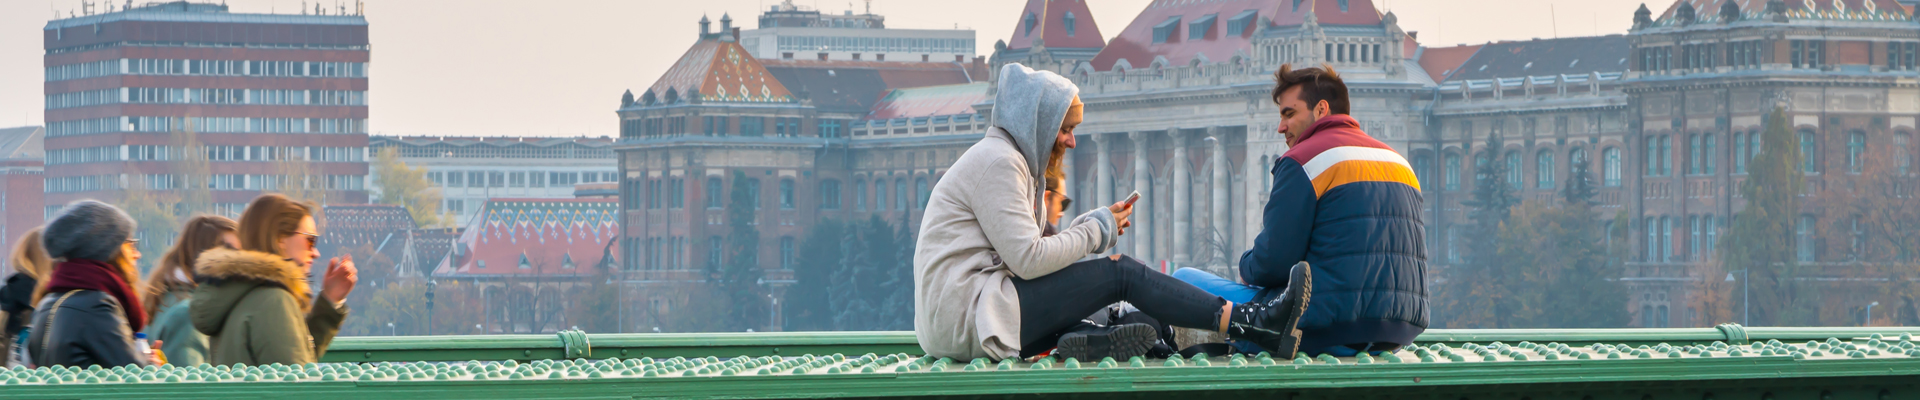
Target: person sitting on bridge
1350, 206
987, 284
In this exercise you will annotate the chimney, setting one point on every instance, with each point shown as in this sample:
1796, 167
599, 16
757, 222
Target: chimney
736, 34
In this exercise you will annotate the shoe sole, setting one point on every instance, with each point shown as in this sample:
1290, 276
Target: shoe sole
1299, 284
1121, 343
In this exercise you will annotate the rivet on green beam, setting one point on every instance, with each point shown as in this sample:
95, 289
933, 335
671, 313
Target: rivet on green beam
1137, 362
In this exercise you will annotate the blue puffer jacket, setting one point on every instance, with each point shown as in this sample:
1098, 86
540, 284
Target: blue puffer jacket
1349, 206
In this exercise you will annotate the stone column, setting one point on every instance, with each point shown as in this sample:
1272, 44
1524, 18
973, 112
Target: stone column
1182, 194
1219, 182
1102, 171
1142, 174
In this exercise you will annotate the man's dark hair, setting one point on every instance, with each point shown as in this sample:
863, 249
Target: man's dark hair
1315, 84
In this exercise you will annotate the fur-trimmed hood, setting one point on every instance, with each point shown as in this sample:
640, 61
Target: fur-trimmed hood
226, 276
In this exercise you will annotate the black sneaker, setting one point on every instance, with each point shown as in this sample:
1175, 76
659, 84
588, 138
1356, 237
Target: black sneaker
1120, 342
1275, 325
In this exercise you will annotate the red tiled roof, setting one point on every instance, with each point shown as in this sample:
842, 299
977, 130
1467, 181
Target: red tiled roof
1135, 44
1049, 18
1850, 10
553, 236
930, 101
1442, 61
722, 72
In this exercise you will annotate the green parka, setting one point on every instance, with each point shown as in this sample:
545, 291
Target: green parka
257, 309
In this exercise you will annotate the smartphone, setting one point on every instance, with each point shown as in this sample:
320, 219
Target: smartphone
1133, 198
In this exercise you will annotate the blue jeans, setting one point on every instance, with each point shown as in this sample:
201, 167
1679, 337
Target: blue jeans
1239, 293
1225, 288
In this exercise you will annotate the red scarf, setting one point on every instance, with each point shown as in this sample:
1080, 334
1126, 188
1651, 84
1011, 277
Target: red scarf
79, 274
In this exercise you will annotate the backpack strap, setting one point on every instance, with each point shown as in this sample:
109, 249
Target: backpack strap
46, 329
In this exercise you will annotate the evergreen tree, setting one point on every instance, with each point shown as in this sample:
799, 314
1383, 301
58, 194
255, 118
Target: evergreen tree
807, 306
1761, 241
738, 279
1584, 291
850, 308
1479, 297
897, 307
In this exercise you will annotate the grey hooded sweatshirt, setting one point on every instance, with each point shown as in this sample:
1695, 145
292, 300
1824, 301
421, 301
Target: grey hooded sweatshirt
983, 222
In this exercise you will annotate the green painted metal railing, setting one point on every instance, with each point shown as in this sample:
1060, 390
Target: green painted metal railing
1727, 362
526, 348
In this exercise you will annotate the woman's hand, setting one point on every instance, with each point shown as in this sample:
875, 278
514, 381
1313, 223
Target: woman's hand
156, 357
341, 276
1122, 217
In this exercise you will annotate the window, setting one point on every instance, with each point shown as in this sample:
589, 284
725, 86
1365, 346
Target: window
921, 188
786, 252
456, 179
1452, 175
1068, 19
1544, 177
753, 126
1809, 152
1513, 169
879, 195
900, 199
1740, 153
716, 194
1422, 167
715, 251
1808, 53
678, 193
1693, 154
517, 179
1712, 225
1032, 21
829, 128
653, 194
1610, 171
786, 194
1165, 30
753, 192
1856, 150
830, 194
1653, 239
1666, 155
537, 179
1803, 238
1666, 239
860, 195
1653, 156
1693, 241
1900, 143
715, 125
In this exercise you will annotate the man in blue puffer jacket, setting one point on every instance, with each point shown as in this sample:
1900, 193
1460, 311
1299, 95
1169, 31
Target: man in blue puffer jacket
1348, 206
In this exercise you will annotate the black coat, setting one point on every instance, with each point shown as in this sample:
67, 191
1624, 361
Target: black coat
16, 303
89, 328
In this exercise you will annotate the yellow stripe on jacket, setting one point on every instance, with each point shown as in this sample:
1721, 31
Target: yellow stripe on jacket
1351, 171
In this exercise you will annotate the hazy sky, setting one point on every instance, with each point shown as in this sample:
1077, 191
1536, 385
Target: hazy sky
557, 67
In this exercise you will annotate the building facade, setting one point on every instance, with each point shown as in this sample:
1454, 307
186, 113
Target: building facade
793, 32
22, 185
126, 88
470, 170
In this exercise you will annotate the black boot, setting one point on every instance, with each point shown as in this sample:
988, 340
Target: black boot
1274, 325
1094, 342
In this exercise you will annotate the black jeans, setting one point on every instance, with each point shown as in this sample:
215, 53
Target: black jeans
1053, 305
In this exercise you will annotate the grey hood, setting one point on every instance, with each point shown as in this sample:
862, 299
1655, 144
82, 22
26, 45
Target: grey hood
1029, 107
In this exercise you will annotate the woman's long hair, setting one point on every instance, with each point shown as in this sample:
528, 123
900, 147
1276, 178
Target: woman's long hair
268, 219
30, 256
176, 267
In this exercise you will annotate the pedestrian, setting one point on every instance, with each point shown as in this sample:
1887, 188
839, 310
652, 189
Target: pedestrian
30, 264
170, 288
987, 284
89, 306
254, 304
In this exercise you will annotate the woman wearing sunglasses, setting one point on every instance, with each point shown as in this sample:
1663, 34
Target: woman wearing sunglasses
253, 303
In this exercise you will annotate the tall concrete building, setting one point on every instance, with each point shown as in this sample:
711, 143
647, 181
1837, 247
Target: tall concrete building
22, 180
123, 85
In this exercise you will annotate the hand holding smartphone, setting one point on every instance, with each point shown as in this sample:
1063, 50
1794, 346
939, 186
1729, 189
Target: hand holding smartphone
1123, 212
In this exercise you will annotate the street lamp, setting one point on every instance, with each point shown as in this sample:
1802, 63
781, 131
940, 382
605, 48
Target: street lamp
1870, 314
390, 330
430, 284
1746, 306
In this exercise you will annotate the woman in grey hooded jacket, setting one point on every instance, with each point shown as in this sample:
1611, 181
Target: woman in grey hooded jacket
988, 284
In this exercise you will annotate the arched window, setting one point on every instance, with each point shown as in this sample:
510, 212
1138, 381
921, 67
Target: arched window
1422, 166
860, 195
1513, 169
1693, 155
1666, 155
1612, 169
1740, 153
753, 192
786, 194
786, 252
920, 187
830, 194
879, 195
900, 194
1809, 152
1706, 153
1452, 167
1653, 156
1856, 150
1544, 177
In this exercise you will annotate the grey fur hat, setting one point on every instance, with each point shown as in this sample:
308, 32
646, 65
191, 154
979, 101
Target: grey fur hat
87, 229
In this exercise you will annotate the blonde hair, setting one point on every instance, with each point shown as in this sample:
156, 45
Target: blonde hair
175, 271
268, 219
30, 256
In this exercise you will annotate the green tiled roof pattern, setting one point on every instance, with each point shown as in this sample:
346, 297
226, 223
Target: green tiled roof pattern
1871, 363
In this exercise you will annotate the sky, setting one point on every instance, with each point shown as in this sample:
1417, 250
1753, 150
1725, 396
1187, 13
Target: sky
558, 67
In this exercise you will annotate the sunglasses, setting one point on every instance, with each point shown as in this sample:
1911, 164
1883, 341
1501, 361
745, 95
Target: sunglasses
313, 239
